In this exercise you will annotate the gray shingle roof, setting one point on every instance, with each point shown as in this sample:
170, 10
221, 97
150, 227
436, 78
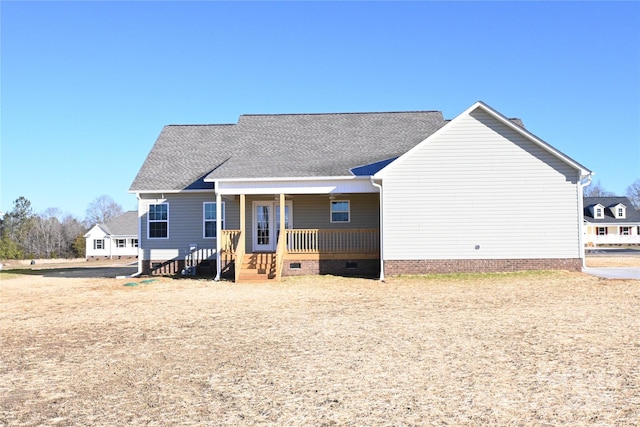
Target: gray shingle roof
283, 145
123, 225
632, 215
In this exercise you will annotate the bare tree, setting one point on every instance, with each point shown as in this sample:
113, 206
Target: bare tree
633, 193
101, 210
597, 190
45, 235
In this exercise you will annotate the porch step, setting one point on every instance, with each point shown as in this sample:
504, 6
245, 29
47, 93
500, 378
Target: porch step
258, 267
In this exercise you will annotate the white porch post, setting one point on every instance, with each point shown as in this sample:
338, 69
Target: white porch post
242, 217
218, 235
282, 223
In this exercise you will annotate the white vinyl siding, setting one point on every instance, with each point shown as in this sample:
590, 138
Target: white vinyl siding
480, 184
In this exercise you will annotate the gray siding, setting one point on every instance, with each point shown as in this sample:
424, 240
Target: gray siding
479, 184
185, 224
313, 211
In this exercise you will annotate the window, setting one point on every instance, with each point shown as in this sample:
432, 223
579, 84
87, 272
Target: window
121, 243
601, 231
159, 221
340, 211
209, 219
625, 231
98, 244
598, 213
134, 243
620, 211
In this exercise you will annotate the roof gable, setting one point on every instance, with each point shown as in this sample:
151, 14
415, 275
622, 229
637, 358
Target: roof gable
513, 124
99, 229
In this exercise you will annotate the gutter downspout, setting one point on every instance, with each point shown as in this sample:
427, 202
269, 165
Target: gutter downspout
218, 233
379, 186
581, 185
139, 272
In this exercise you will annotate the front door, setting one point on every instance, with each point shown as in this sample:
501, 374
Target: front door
266, 224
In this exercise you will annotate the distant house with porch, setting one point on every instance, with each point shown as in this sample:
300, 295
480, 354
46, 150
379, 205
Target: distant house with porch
610, 221
358, 193
115, 239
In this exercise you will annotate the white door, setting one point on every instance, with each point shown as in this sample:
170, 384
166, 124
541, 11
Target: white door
266, 224
263, 227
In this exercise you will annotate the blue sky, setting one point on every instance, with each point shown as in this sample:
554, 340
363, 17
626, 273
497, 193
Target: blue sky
86, 87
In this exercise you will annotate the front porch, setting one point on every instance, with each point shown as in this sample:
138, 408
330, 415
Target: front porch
291, 226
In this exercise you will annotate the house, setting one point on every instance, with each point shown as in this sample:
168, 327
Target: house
610, 221
117, 238
358, 193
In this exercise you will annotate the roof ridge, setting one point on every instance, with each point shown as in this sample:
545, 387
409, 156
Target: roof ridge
200, 124
338, 114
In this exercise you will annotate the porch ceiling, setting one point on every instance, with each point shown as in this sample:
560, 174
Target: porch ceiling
339, 185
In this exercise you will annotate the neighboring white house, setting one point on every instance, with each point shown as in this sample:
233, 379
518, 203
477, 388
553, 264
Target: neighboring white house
116, 239
360, 193
610, 221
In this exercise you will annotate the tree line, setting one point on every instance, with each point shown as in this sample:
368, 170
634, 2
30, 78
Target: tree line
51, 234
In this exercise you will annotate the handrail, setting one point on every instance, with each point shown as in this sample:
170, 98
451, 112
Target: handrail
360, 240
230, 240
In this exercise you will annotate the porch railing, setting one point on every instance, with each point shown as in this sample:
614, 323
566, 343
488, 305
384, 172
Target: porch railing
230, 240
612, 239
302, 241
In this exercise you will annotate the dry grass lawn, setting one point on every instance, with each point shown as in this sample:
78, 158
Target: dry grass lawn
541, 348
613, 261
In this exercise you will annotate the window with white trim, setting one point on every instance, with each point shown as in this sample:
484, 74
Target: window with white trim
598, 212
340, 211
625, 231
121, 243
98, 244
620, 212
134, 243
158, 221
601, 231
209, 219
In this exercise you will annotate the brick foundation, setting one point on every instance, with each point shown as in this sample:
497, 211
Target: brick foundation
371, 267
479, 265
356, 267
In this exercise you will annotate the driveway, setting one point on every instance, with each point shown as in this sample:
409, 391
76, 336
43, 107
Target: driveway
614, 272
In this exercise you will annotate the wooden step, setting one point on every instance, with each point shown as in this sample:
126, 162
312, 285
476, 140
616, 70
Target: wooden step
255, 277
257, 267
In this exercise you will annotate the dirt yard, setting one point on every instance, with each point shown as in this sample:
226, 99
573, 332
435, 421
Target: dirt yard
542, 348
